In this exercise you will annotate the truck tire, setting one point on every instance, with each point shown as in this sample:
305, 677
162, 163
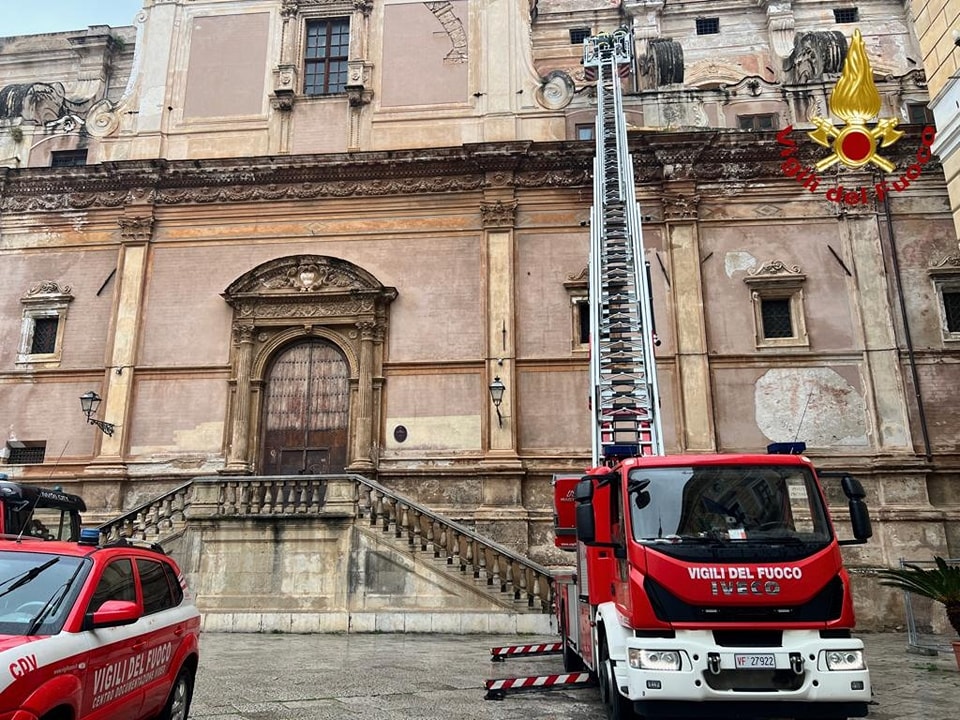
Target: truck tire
617, 706
178, 702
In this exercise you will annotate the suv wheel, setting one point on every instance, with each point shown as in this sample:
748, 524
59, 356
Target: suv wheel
178, 703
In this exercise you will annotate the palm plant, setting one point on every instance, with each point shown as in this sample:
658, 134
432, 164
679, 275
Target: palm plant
941, 584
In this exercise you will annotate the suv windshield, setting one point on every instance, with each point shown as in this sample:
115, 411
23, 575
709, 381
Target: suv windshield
726, 507
36, 591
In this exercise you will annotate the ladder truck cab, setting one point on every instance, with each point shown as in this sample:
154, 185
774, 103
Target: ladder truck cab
704, 585
28, 511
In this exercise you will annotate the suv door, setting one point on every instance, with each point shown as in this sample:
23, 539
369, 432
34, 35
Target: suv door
112, 689
165, 628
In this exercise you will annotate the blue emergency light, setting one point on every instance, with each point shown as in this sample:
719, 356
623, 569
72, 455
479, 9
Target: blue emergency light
89, 536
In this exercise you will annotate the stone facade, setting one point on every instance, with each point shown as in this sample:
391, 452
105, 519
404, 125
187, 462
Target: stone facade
422, 229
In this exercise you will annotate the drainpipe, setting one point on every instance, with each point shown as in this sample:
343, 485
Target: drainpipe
911, 357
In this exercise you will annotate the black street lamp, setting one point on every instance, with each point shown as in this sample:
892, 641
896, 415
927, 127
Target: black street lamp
497, 388
89, 403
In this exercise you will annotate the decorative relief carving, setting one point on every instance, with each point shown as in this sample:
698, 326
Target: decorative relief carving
680, 207
950, 265
135, 228
775, 273
48, 290
556, 90
816, 55
498, 214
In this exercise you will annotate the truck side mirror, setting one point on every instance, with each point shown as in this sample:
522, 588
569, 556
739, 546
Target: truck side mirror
583, 496
852, 487
859, 514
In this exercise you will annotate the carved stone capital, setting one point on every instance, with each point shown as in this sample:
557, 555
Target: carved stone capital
137, 228
498, 214
680, 207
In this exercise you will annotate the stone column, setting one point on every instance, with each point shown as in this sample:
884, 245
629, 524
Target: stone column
136, 227
364, 422
501, 508
238, 455
883, 377
695, 401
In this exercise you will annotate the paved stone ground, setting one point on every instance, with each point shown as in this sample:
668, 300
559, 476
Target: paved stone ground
441, 677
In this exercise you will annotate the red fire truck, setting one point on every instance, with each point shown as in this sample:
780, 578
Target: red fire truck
705, 585
31, 511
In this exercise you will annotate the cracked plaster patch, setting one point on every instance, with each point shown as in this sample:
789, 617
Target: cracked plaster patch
738, 261
813, 405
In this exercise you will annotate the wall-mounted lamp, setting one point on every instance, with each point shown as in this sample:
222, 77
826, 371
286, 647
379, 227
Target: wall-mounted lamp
89, 403
497, 388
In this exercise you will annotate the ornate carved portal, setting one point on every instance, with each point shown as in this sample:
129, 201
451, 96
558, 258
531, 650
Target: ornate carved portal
318, 302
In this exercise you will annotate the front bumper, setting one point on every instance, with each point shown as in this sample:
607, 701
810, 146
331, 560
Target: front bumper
798, 684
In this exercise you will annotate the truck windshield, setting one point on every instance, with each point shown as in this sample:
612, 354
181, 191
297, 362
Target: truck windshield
720, 505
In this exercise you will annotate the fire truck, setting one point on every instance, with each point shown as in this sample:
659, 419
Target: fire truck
704, 585
36, 512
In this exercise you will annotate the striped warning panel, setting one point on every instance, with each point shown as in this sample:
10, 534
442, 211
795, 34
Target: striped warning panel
499, 653
496, 689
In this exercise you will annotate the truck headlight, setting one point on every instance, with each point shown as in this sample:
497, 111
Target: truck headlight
653, 659
845, 660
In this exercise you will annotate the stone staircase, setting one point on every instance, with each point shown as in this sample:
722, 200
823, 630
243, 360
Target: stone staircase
450, 560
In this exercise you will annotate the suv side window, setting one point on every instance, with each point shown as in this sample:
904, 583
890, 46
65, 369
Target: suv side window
116, 583
157, 595
175, 584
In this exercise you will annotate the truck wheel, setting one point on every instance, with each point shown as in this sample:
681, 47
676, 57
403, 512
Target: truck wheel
178, 703
618, 707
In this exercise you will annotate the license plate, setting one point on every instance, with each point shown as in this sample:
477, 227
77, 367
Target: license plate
747, 661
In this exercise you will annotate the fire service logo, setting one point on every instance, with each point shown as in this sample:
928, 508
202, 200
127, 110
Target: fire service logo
855, 100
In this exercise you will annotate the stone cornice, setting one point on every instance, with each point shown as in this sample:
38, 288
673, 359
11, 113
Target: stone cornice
705, 156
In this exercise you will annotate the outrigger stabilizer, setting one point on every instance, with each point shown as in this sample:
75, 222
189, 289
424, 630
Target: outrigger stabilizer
499, 687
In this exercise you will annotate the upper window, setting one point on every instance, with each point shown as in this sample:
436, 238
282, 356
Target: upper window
325, 56
919, 114
777, 294
68, 158
708, 26
585, 131
578, 35
41, 331
757, 122
576, 286
946, 280
846, 15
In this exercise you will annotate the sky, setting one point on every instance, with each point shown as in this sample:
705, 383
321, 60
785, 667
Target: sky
30, 17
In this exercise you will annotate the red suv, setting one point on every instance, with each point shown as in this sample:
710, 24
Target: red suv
90, 631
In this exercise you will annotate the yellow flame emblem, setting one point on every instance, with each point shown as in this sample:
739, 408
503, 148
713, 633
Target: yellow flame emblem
855, 100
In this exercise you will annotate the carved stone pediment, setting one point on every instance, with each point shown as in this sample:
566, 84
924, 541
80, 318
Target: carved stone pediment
303, 274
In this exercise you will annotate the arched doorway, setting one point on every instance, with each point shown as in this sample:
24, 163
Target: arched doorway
329, 316
306, 411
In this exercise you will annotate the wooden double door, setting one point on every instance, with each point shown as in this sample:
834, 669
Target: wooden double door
306, 411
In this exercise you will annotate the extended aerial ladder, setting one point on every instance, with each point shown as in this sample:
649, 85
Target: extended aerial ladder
625, 396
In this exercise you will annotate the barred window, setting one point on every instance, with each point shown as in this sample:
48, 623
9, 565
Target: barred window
44, 335
68, 158
708, 26
951, 310
325, 57
776, 318
578, 35
777, 293
765, 121
846, 15
26, 453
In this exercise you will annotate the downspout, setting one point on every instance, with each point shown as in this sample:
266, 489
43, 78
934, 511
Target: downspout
911, 357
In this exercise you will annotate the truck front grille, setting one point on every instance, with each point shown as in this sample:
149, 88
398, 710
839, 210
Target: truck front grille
753, 680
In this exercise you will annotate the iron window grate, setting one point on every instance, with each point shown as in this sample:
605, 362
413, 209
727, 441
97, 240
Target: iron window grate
708, 26
777, 322
846, 15
951, 311
32, 454
578, 35
44, 336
